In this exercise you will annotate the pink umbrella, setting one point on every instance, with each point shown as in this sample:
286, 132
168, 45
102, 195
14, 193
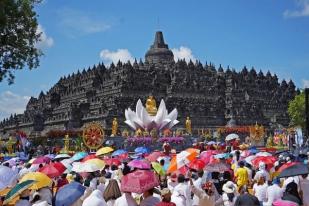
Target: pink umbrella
154, 156
139, 164
41, 160
139, 181
206, 155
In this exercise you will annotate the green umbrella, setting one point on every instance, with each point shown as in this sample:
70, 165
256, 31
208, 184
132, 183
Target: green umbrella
18, 189
158, 168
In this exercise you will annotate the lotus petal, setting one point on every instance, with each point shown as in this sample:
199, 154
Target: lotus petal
139, 108
173, 115
164, 123
172, 124
146, 119
131, 124
161, 114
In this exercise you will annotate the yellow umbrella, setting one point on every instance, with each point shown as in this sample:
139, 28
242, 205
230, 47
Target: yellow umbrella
31, 161
42, 180
158, 168
104, 150
97, 162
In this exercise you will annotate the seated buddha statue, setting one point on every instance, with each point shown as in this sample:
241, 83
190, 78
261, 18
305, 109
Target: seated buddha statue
151, 106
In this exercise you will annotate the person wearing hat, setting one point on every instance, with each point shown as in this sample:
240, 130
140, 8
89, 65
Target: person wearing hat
262, 172
166, 198
229, 193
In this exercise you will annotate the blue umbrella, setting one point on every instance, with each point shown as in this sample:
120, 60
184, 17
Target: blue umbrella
222, 155
79, 156
70, 193
141, 150
119, 152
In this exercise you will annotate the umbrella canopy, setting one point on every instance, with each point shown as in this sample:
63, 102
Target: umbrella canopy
41, 180
231, 137
139, 181
41, 160
245, 153
269, 161
79, 155
264, 154
250, 158
62, 156
206, 155
141, 150
154, 156
217, 167
222, 156
104, 150
211, 143
53, 169
139, 164
91, 165
158, 168
182, 159
7, 176
294, 170
119, 152
112, 161
197, 164
67, 164
70, 193
287, 165
18, 189
89, 157
50, 156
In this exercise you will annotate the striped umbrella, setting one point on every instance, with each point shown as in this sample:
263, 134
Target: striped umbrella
18, 189
182, 159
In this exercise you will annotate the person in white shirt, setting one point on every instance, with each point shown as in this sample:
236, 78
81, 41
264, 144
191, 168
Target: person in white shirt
262, 172
172, 182
274, 192
183, 188
229, 193
260, 188
304, 187
198, 184
149, 199
126, 199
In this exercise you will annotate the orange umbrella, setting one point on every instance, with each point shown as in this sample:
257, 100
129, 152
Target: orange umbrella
182, 159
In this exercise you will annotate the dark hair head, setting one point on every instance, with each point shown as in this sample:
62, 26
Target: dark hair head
215, 175
181, 178
200, 173
241, 164
162, 162
114, 167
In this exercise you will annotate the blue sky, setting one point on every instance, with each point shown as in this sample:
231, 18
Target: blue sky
266, 34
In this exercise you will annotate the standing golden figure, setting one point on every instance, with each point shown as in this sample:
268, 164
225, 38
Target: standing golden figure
114, 127
188, 126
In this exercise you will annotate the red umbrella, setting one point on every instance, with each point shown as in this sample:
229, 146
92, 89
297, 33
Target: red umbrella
287, 165
41, 160
197, 164
59, 166
112, 161
269, 161
154, 156
52, 170
139, 181
89, 157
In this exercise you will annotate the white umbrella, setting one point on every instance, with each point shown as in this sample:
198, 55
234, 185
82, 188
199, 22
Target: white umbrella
68, 164
249, 159
231, 137
87, 166
7, 176
62, 156
263, 154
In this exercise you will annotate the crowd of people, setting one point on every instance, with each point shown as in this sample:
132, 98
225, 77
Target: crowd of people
241, 183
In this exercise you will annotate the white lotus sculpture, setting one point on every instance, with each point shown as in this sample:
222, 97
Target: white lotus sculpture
141, 119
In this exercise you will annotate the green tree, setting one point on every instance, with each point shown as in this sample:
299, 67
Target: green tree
296, 110
18, 37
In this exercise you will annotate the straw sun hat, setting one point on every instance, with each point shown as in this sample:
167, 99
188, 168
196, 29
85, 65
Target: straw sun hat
229, 187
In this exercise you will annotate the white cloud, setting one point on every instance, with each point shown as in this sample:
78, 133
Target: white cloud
45, 41
305, 83
11, 103
76, 23
183, 53
303, 10
114, 56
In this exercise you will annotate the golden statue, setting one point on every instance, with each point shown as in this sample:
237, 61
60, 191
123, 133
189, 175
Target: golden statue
138, 133
188, 126
66, 141
114, 127
270, 142
153, 133
151, 106
125, 133
9, 145
146, 133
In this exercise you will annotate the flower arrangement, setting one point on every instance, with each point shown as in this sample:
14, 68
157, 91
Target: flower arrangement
176, 140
